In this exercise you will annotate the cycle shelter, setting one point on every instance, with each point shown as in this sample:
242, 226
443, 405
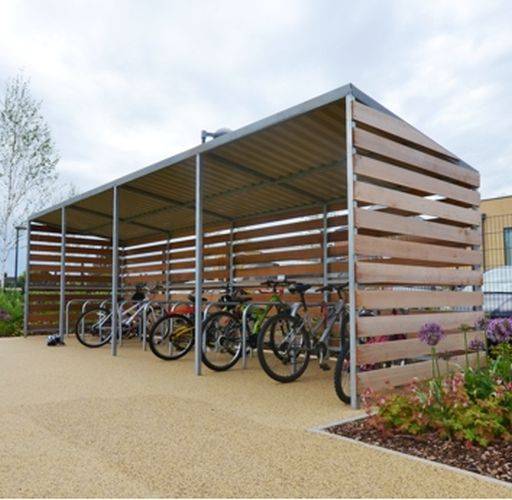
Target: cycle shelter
335, 189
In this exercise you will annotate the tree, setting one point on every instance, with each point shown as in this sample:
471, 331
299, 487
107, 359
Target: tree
28, 161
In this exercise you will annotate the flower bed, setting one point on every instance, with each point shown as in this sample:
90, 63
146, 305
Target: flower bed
463, 419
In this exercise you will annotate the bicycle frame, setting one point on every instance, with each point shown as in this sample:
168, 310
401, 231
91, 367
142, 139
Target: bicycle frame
336, 312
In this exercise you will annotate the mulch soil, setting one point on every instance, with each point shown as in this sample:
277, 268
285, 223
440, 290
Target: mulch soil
494, 461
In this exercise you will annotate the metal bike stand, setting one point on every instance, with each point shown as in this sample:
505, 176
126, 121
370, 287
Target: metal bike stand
144, 318
244, 326
68, 306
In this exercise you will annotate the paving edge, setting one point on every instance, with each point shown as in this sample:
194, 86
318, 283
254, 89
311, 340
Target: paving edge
322, 430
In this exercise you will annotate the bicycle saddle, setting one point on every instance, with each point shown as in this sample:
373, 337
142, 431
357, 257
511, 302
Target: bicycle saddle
299, 287
241, 299
333, 288
192, 298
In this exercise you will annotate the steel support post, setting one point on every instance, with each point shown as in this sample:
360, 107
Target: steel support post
115, 268
62, 304
199, 263
167, 268
231, 257
351, 204
325, 253
27, 284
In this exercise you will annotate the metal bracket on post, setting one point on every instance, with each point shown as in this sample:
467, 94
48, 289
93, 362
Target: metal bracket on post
27, 284
115, 267
351, 204
199, 264
62, 303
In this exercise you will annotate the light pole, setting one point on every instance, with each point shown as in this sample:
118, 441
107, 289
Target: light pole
205, 134
18, 229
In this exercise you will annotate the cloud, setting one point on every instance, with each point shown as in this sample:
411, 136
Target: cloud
127, 83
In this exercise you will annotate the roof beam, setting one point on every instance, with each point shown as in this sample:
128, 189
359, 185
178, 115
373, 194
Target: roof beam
257, 184
240, 221
283, 182
108, 216
171, 202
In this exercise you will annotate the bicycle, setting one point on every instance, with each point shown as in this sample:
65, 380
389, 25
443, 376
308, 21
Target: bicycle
222, 330
172, 336
287, 340
342, 373
94, 327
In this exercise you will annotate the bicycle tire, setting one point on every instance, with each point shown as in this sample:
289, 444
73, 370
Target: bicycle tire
81, 339
152, 341
236, 355
342, 375
270, 324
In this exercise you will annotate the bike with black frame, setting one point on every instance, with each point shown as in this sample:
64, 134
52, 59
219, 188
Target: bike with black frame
222, 330
287, 340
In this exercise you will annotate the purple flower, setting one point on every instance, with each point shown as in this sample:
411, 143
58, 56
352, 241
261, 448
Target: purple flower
499, 330
476, 345
431, 334
482, 324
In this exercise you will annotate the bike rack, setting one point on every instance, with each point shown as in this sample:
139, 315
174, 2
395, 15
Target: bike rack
144, 317
248, 307
244, 326
68, 306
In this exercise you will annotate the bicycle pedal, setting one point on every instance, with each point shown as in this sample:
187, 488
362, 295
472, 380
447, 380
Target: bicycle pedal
325, 367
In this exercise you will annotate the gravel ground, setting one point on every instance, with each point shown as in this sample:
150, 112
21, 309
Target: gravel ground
76, 423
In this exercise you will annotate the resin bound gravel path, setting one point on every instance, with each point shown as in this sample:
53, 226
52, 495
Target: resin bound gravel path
76, 423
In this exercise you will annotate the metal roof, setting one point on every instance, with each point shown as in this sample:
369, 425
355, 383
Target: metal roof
289, 160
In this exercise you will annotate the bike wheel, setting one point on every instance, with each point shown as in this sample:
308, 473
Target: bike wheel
94, 327
342, 375
283, 347
222, 341
171, 337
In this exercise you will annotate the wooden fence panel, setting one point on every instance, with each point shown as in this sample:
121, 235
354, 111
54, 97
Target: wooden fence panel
417, 249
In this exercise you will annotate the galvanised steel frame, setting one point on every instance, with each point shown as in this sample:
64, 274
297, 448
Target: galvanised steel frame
347, 92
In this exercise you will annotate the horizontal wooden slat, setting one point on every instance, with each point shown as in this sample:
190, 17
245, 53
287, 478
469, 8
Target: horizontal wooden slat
49, 317
395, 126
372, 326
369, 272
391, 198
55, 249
311, 253
396, 224
401, 249
298, 270
279, 242
390, 149
70, 240
395, 376
411, 348
103, 261
390, 299
382, 171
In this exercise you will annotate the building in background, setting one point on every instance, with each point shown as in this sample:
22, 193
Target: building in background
497, 250
497, 231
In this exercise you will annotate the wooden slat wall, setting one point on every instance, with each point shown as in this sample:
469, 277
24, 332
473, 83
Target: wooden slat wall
282, 247
417, 247
88, 274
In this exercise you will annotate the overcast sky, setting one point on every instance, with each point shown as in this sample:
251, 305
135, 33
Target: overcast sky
127, 83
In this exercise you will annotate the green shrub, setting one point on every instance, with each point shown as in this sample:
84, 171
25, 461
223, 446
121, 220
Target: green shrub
471, 405
11, 313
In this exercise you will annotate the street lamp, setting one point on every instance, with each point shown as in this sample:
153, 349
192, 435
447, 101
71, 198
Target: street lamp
221, 131
18, 229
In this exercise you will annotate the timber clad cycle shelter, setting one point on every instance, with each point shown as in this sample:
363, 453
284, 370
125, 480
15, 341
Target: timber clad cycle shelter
337, 188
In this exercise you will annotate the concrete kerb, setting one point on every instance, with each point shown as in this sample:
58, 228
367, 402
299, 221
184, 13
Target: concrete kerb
322, 431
